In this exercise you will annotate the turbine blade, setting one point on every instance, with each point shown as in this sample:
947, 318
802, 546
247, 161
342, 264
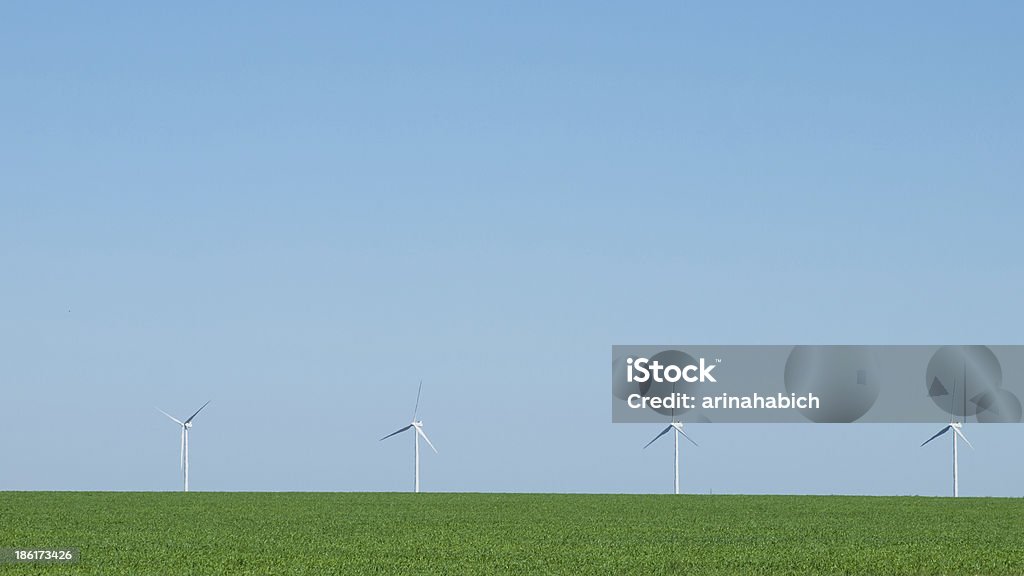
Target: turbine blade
937, 434
952, 401
965, 400
197, 412
399, 431
663, 432
680, 430
169, 416
181, 457
424, 434
964, 438
416, 410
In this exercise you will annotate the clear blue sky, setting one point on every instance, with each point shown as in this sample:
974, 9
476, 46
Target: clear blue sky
300, 211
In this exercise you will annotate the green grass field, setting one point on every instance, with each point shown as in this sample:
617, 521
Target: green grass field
300, 533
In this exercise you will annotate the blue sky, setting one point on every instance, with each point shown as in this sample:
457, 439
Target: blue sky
299, 212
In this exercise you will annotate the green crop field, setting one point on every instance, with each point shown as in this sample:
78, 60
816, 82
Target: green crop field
338, 533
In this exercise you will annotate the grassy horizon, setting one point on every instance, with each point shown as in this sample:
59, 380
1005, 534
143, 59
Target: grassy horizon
142, 533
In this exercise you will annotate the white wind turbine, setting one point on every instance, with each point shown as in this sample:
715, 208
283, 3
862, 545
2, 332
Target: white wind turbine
955, 427
185, 426
678, 427
418, 426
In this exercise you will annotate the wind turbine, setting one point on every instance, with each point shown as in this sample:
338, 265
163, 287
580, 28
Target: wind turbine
678, 427
955, 427
418, 426
185, 426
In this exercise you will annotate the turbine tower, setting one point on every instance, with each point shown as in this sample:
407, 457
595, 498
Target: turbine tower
185, 427
418, 426
678, 427
955, 426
